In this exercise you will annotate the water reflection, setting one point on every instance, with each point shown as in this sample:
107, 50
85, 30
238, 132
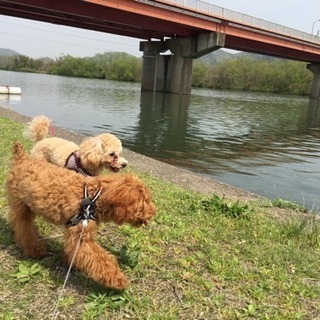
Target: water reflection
232, 135
313, 118
10, 98
249, 144
162, 123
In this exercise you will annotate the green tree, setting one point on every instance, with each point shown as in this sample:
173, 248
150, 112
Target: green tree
199, 74
278, 76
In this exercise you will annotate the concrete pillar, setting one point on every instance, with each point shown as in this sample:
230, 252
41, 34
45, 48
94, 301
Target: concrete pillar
178, 74
315, 86
164, 73
173, 73
153, 66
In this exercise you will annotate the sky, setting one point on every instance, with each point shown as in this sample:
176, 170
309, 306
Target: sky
37, 39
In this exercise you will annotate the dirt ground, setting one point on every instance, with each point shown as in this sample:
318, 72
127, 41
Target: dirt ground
181, 177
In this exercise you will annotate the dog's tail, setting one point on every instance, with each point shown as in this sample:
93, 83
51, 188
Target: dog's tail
18, 152
38, 128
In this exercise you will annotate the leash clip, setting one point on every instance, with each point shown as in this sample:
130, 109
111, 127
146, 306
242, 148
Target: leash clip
87, 208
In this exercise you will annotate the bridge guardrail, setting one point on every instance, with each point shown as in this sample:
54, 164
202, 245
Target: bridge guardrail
245, 19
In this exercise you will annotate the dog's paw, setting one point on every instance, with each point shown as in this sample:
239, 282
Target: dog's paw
120, 283
35, 252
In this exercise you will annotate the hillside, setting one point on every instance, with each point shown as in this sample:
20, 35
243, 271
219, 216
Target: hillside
222, 55
217, 56
8, 52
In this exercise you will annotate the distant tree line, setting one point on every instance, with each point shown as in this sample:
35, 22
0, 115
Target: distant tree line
113, 66
247, 74
25, 64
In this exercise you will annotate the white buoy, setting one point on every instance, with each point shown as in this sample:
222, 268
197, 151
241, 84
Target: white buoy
9, 90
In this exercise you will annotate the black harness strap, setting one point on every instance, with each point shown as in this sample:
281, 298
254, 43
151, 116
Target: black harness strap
87, 208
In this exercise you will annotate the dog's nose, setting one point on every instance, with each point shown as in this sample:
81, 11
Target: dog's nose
124, 165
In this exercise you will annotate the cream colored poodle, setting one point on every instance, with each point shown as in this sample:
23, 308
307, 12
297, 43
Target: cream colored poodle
89, 158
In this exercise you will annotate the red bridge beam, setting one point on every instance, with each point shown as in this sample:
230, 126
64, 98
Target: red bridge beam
157, 20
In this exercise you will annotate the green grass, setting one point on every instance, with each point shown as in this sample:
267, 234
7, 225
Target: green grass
201, 258
280, 203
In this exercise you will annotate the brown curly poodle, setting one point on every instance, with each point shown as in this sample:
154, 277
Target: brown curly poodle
38, 188
89, 158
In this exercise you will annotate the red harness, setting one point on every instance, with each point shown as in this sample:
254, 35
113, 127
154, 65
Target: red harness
74, 163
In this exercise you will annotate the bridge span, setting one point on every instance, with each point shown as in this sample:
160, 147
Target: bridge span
189, 29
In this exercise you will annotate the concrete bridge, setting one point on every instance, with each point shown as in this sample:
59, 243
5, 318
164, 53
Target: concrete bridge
189, 29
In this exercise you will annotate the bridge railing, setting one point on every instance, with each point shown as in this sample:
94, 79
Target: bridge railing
247, 20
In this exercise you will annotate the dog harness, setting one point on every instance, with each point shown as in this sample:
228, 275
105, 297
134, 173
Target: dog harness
74, 163
87, 208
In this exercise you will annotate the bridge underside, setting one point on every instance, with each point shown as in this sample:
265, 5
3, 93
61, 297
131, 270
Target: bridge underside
126, 17
158, 20
270, 49
173, 72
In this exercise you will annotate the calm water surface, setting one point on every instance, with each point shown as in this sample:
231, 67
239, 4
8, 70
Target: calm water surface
267, 144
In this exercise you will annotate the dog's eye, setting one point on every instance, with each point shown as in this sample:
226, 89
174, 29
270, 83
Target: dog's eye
112, 154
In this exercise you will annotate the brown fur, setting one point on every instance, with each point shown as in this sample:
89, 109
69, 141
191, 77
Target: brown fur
96, 153
36, 187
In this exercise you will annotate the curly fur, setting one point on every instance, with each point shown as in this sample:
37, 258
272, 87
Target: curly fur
96, 153
38, 188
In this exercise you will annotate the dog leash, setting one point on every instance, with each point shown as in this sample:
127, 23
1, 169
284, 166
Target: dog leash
55, 312
87, 208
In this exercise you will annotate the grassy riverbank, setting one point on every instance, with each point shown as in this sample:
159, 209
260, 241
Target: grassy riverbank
202, 257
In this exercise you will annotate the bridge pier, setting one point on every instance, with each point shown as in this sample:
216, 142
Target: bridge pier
315, 86
173, 73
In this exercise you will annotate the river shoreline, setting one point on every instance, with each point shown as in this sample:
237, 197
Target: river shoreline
182, 178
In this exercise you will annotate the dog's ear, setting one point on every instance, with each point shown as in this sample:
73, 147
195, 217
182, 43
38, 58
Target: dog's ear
109, 142
124, 199
90, 153
19, 152
133, 215
120, 215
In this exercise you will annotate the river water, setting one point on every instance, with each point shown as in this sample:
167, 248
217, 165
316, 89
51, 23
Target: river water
265, 143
